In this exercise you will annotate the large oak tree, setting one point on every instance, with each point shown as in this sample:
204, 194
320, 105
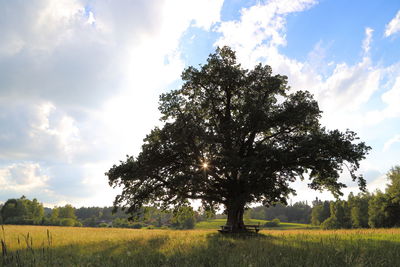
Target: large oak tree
233, 137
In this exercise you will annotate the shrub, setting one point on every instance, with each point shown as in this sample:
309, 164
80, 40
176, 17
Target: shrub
14, 220
274, 223
48, 221
67, 222
330, 223
137, 225
190, 223
120, 223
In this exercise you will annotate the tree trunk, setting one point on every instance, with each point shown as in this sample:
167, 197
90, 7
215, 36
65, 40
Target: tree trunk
235, 212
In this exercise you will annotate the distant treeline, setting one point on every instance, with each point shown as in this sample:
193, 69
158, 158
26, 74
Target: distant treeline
299, 212
25, 211
30, 212
365, 210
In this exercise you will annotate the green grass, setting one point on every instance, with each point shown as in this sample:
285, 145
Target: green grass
216, 223
210, 224
68, 246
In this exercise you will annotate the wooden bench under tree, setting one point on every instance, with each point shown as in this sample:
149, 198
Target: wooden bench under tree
252, 227
225, 229
248, 227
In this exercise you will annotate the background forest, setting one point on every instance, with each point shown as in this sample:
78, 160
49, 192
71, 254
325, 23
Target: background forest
364, 210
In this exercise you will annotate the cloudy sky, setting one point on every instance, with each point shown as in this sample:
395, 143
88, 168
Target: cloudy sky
80, 79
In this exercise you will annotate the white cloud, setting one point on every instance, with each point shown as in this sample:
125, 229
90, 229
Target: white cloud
91, 19
76, 81
345, 91
53, 53
391, 98
22, 177
392, 109
391, 141
366, 45
393, 26
261, 27
58, 57
378, 184
37, 131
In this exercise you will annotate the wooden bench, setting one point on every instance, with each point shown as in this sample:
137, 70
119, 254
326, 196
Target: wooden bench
225, 229
252, 227
248, 227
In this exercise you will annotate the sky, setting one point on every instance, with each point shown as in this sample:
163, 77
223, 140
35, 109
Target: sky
80, 80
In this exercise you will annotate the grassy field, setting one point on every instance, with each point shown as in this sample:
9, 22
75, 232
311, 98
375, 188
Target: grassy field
67, 246
216, 223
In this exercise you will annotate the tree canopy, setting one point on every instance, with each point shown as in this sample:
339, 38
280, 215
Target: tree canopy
232, 137
22, 211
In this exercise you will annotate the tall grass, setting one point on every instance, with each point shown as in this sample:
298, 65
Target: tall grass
64, 246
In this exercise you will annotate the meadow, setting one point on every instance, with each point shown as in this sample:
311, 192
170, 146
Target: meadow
73, 246
216, 223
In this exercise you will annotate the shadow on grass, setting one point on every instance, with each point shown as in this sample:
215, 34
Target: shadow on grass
216, 250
